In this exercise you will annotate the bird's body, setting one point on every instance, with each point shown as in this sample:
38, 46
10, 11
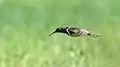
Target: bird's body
74, 32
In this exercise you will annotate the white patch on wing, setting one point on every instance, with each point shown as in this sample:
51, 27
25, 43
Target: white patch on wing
84, 32
68, 31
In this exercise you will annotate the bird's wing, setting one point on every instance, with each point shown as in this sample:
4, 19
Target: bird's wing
84, 32
74, 30
79, 31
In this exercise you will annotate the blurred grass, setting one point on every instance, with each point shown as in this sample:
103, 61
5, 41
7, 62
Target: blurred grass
26, 24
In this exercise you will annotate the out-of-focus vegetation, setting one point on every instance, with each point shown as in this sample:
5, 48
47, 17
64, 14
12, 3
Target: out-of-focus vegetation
26, 24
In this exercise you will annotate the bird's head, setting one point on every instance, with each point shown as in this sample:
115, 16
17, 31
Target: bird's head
59, 29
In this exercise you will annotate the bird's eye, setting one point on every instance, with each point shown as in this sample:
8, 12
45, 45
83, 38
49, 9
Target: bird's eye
59, 27
66, 27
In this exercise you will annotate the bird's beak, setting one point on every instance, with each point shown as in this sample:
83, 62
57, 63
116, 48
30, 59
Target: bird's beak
52, 33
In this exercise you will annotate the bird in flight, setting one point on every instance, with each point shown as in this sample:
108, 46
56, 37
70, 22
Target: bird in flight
74, 32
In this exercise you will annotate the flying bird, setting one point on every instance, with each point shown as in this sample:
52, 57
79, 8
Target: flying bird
74, 32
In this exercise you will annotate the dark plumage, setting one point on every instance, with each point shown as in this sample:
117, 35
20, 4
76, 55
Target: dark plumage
74, 32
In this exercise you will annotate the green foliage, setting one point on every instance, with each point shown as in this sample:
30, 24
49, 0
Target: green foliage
26, 24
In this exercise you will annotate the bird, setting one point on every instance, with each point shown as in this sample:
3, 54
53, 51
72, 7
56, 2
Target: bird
74, 32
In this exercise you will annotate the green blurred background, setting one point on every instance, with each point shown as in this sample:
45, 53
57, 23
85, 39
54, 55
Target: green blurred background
26, 24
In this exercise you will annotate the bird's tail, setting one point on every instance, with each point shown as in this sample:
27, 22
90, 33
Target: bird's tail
94, 35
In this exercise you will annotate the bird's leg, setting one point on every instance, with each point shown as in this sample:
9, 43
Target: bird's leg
93, 35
